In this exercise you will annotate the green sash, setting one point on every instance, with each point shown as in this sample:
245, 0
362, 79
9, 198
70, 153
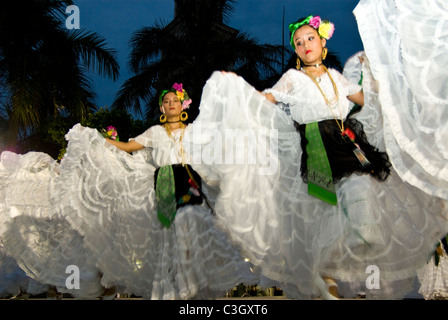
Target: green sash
166, 196
320, 178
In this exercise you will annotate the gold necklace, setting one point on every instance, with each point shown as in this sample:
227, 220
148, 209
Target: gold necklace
336, 92
183, 126
178, 143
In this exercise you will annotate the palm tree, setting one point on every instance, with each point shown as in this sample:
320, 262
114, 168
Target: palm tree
188, 50
43, 65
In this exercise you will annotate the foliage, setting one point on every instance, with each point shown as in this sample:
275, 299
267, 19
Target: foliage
188, 50
44, 83
51, 135
43, 66
126, 126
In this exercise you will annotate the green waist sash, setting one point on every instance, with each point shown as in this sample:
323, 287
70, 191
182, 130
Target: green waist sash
176, 186
166, 196
320, 178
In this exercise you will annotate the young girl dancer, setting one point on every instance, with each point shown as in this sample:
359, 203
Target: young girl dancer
335, 209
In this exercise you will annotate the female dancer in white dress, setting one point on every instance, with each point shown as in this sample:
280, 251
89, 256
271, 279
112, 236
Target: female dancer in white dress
147, 236
359, 217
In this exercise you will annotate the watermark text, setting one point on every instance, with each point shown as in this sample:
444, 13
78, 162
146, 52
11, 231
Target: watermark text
73, 20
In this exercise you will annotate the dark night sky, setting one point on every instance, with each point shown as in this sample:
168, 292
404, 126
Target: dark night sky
117, 20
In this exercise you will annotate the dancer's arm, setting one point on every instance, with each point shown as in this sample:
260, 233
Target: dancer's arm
129, 147
357, 98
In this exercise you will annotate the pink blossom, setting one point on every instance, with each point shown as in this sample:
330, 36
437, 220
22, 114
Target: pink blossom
315, 22
331, 31
186, 103
178, 87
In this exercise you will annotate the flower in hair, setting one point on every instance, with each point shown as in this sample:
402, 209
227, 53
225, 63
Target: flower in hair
178, 87
326, 29
182, 95
315, 22
186, 104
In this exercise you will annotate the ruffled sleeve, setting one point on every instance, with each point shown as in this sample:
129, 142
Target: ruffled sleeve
370, 115
351, 86
147, 138
283, 90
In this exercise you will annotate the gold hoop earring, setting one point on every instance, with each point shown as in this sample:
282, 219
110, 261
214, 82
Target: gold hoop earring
162, 118
298, 63
183, 116
324, 53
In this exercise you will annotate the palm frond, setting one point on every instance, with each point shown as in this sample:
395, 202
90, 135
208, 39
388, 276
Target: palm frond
188, 50
94, 53
136, 89
44, 67
148, 45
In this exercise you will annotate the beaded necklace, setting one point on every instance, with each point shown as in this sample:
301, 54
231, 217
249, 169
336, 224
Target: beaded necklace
179, 142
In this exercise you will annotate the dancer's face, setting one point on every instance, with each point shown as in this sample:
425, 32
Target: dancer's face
308, 45
171, 105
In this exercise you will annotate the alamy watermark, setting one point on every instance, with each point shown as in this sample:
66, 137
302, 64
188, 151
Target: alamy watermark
73, 280
217, 146
373, 280
72, 21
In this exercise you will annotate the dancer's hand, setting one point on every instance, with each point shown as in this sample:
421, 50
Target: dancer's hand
229, 72
269, 96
